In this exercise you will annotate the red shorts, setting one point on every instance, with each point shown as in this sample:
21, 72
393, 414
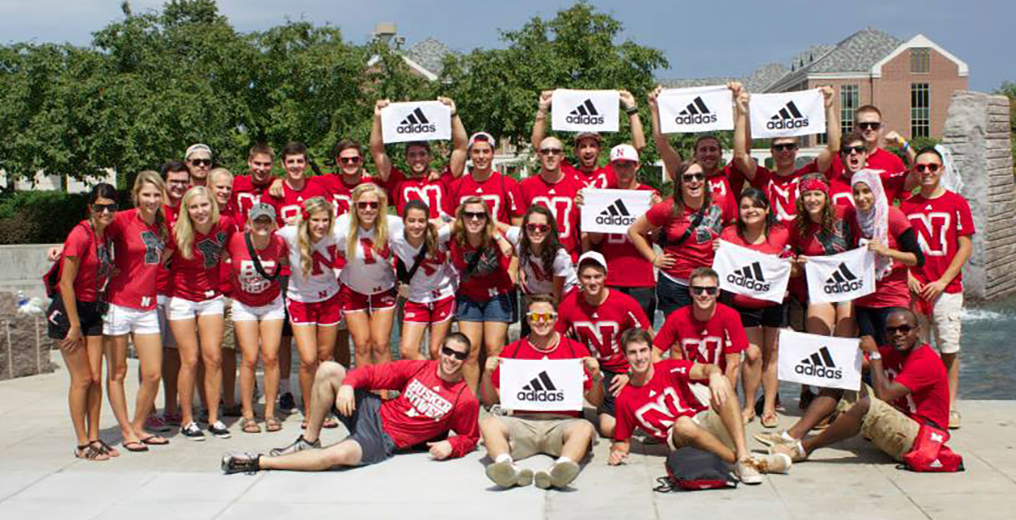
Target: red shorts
353, 301
327, 312
433, 312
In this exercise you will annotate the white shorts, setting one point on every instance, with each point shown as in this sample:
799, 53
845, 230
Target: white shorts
181, 309
273, 311
945, 323
123, 320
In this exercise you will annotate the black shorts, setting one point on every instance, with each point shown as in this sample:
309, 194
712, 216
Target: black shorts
89, 314
644, 296
609, 402
366, 429
774, 316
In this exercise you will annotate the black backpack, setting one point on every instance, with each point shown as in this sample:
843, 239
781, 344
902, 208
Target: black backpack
692, 469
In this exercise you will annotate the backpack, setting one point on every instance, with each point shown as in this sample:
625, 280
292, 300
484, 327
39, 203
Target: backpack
930, 454
692, 469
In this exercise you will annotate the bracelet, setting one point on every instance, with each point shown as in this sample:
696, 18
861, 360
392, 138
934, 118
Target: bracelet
631, 111
906, 145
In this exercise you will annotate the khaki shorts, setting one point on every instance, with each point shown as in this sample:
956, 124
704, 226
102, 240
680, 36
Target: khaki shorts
229, 331
945, 323
530, 436
709, 421
890, 429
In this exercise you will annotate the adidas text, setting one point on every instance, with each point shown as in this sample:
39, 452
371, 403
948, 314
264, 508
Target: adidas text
812, 370
842, 287
584, 120
697, 119
754, 285
415, 129
615, 220
786, 124
540, 395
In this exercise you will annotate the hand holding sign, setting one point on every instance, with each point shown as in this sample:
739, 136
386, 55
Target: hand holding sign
553, 385
823, 361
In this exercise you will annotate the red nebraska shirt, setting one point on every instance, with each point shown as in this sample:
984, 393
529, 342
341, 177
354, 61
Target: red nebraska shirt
138, 249
500, 192
892, 289
197, 278
402, 189
781, 190
707, 342
249, 287
775, 244
488, 279
924, 374
566, 348
696, 250
939, 223
338, 191
656, 405
602, 177
891, 171
559, 198
628, 268
427, 407
95, 262
165, 281
246, 194
600, 327
289, 207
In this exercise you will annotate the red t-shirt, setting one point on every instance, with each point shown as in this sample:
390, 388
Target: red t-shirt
246, 194
602, 177
488, 279
815, 242
289, 207
500, 192
628, 268
725, 188
559, 198
781, 190
775, 244
402, 189
892, 289
250, 288
566, 348
95, 261
696, 250
427, 407
226, 265
939, 223
891, 171
338, 191
197, 278
656, 405
707, 342
165, 282
924, 374
600, 327
139, 248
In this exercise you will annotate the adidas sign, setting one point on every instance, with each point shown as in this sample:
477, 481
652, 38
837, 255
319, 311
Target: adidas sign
819, 364
750, 277
696, 113
541, 388
585, 114
789, 117
415, 123
616, 214
842, 281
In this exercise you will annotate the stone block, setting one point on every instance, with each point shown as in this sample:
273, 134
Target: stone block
24, 346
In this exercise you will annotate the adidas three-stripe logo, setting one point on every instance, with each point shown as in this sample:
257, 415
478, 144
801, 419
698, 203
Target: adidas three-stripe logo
416, 122
696, 113
750, 277
842, 280
585, 114
541, 388
540, 382
788, 117
819, 364
616, 214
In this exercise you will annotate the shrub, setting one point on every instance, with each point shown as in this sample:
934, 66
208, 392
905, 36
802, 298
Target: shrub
39, 217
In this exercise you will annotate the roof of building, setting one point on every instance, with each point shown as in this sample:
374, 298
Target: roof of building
857, 53
429, 54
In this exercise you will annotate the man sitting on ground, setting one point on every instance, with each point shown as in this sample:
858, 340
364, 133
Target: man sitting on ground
433, 399
658, 399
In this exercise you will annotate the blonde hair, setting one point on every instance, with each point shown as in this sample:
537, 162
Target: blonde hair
310, 207
218, 172
380, 225
459, 226
153, 178
184, 227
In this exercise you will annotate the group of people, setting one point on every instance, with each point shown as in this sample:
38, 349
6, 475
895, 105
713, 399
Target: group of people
319, 258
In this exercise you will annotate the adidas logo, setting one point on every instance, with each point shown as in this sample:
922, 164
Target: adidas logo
415, 123
616, 214
819, 364
842, 280
750, 277
788, 117
696, 113
541, 388
585, 114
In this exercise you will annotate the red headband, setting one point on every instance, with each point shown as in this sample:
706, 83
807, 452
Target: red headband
815, 184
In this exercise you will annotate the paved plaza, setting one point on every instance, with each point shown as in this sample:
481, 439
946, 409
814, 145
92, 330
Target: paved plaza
40, 478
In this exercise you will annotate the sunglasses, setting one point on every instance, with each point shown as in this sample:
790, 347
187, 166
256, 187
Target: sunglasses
448, 351
692, 177
699, 290
869, 126
368, 204
930, 167
905, 329
474, 215
178, 183
784, 147
350, 160
99, 208
541, 317
537, 228
551, 151
847, 150
201, 162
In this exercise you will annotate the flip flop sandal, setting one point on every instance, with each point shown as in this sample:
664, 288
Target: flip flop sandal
135, 447
155, 440
330, 423
770, 421
250, 425
272, 425
106, 448
90, 452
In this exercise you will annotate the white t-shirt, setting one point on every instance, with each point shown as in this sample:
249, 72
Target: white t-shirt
369, 271
323, 282
435, 279
538, 282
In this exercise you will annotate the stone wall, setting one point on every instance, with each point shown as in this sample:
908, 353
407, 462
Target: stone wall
24, 345
977, 132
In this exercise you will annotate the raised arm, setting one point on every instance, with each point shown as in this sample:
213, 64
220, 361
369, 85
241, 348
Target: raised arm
742, 141
825, 157
377, 144
460, 141
670, 157
638, 136
885, 390
540, 124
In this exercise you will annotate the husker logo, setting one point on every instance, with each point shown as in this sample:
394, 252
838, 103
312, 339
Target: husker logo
541, 388
616, 214
842, 281
819, 364
788, 117
585, 114
750, 277
696, 113
415, 123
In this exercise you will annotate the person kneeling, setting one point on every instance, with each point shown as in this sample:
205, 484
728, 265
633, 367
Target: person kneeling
433, 400
563, 434
658, 399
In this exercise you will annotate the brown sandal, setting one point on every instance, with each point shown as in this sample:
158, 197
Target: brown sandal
90, 452
272, 425
250, 425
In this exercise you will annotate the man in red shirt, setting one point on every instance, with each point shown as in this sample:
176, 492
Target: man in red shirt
433, 400
297, 185
249, 189
563, 434
597, 316
942, 221
909, 388
498, 190
555, 190
659, 400
198, 158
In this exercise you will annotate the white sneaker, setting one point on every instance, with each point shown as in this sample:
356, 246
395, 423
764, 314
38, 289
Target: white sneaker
774, 463
563, 473
504, 474
774, 438
795, 451
747, 472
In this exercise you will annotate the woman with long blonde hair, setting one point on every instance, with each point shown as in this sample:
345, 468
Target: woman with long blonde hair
312, 296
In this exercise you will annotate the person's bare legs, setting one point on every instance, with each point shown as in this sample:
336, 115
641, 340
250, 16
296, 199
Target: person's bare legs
412, 336
247, 341
751, 371
495, 437
327, 381
210, 328
438, 333
578, 437
149, 349
359, 331
471, 368
116, 371
770, 362
821, 407
952, 366
93, 406
381, 334
345, 453
607, 424
79, 367
271, 332
185, 333
342, 346
306, 346
846, 425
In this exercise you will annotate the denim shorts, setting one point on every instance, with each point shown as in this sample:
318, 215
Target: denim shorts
498, 308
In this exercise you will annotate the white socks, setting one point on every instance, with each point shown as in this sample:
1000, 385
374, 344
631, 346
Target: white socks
504, 457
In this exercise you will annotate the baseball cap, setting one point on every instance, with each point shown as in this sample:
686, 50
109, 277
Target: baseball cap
593, 256
482, 137
261, 210
624, 152
194, 148
591, 135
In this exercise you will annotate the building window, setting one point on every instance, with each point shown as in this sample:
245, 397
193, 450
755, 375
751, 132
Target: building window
920, 111
920, 60
848, 107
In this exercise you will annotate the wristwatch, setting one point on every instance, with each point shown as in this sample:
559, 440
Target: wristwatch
875, 356
631, 111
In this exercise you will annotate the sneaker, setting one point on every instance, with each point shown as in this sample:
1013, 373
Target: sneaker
506, 474
774, 438
795, 451
173, 419
525, 477
542, 479
192, 432
219, 430
774, 463
245, 462
747, 472
559, 475
299, 444
286, 402
155, 423
955, 421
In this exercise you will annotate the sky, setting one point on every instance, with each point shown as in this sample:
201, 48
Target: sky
699, 39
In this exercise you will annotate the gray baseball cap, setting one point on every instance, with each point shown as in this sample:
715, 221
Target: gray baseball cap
261, 210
